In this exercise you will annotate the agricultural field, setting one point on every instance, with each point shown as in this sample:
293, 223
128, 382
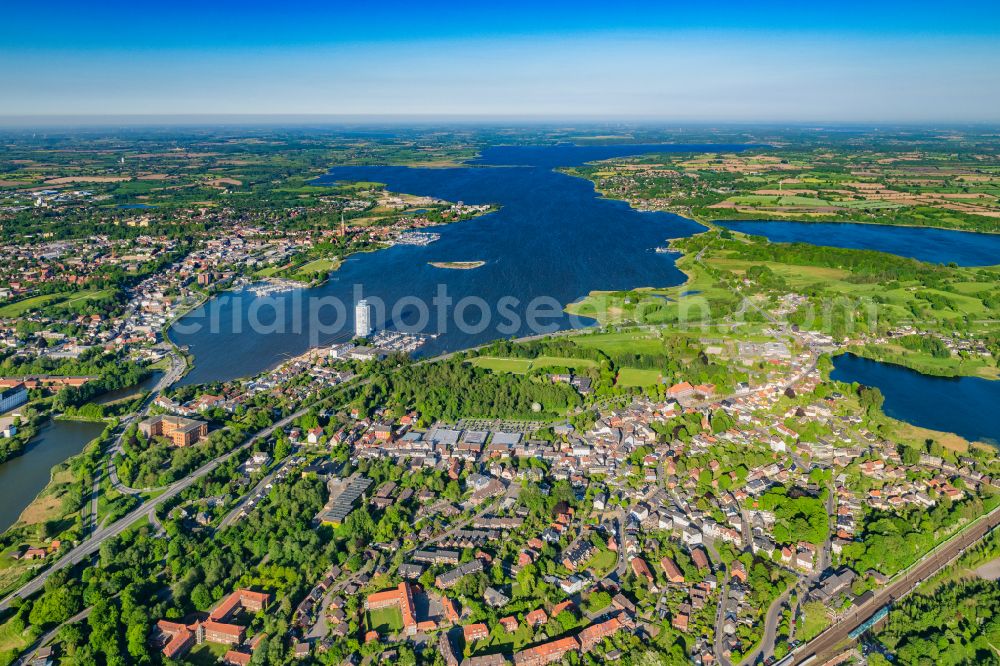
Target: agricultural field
633, 342
944, 184
98, 186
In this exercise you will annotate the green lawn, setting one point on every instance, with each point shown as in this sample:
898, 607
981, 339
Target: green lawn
515, 365
520, 366
207, 654
636, 342
268, 272
322, 264
637, 377
813, 620
562, 361
385, 621
603, 562
10, 638
500, 639
20, 307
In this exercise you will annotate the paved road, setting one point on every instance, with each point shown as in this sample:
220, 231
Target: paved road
147, 511
720, 619
319, 629
178, 366
233, 515
773, 617
50, 635
824, 645
771, 621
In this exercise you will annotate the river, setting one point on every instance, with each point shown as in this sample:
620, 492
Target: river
553, 241
146, 384
23, 477
966, 406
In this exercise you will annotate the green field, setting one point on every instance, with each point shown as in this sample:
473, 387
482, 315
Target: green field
603, 562
814, 619
521, 366
321, 264
35, 302
637, 377
20, 307
91, 295
11, 638
768, 200
633, 342
385, 621
517, 366
500, 639
206, 653
268, 272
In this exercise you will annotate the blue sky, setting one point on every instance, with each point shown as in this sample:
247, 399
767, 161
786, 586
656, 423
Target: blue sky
730, 61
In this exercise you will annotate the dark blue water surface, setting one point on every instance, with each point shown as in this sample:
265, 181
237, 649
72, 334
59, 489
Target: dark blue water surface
966, 406
23, 477
939, 246
553, 237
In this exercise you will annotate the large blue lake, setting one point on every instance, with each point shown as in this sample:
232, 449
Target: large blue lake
963, 405
554, 240
939, 246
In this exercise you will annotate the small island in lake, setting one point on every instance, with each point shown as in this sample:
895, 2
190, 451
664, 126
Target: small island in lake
457, 265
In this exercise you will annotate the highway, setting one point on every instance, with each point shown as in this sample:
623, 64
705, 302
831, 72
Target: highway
825, 645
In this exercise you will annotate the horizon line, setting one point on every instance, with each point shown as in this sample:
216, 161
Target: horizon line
70, 121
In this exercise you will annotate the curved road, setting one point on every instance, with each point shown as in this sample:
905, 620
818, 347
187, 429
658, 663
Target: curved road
178, 366
766, 646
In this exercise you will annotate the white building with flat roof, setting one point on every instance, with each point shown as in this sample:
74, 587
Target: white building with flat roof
363, 319
12, 396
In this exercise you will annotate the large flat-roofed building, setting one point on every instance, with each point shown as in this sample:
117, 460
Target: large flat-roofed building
13, 396
179, 430
343, 494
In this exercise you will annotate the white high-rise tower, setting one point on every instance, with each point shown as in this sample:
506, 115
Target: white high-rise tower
362, 319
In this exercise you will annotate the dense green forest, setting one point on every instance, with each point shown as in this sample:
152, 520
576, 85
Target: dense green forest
956, 625
431, 390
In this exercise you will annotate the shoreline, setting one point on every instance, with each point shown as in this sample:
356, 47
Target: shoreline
716, 222
873, 224
861, 353
52, 471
